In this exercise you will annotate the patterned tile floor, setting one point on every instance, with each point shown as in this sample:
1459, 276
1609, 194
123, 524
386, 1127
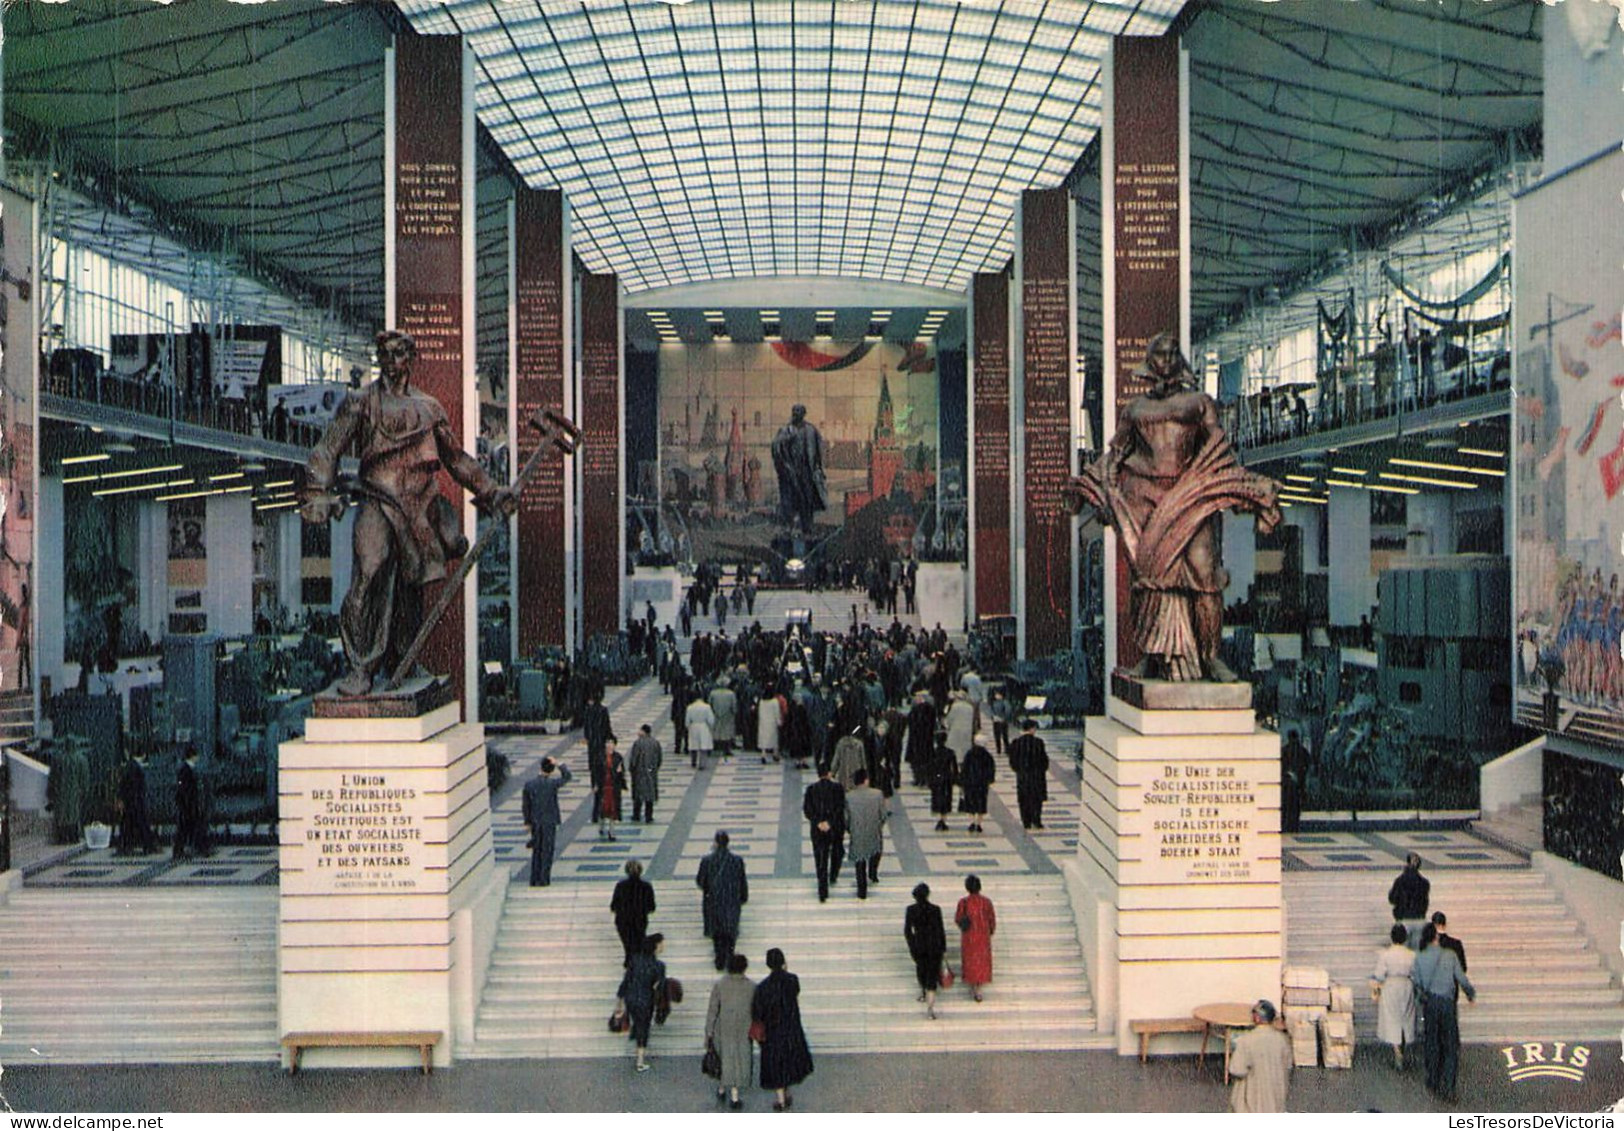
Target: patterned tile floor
760, 807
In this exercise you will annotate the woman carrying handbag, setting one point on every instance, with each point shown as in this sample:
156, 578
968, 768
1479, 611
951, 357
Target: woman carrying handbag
976, 922
727, 1030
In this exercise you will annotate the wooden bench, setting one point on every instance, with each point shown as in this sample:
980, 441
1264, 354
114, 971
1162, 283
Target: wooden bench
424, 1041
1149, 1028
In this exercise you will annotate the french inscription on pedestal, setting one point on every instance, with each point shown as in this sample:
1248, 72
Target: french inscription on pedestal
364, 833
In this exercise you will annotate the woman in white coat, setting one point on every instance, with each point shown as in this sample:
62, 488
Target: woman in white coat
1395, 995
769, 717
701, 722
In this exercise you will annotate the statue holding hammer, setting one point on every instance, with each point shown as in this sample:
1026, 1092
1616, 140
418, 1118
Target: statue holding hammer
406, 532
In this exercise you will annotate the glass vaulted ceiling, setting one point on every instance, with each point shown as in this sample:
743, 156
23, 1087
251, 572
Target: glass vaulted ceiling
878, 139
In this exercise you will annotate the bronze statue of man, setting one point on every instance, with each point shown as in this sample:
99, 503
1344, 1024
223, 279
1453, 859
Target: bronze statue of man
798, 459
405, 529
1167, 475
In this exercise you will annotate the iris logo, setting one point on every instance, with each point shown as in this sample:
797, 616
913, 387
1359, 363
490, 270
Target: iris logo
1529, 1060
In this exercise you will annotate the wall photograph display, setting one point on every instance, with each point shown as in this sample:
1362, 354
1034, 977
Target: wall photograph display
721, 405
1568, 428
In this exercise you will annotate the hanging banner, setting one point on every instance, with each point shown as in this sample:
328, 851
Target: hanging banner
433, 269
1146, 223
541, 259
989, 298
603, 558
1048, 323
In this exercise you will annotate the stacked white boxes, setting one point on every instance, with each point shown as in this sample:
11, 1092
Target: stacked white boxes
1306, 991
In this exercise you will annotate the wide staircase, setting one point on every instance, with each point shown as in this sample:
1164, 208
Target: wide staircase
558, 963
16, 716
1537, 974
138, 975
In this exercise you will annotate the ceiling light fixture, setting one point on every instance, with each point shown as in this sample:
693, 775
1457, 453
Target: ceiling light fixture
1495, 472
228, 475
280, 483
97, 458
139, 471
1429, 481
1303, 478
1481, 452
1391, 489
141, 487
1350, 471
1304, 499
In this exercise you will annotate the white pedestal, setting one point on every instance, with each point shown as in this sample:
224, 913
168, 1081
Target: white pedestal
390, 894
1177, 879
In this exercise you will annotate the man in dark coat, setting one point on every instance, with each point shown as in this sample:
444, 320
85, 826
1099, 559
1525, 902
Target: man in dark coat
721, 877
632, 904
191, 820
595, 728
1409, 896
1449, 942
541, 814
824, 807
921, 736
134, 826
1029, 758
645, 770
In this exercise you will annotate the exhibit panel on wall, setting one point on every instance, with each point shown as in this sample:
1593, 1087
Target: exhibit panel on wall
875, 406
1569, 455
19, 367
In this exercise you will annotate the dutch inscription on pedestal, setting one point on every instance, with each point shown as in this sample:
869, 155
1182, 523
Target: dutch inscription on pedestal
1201, 822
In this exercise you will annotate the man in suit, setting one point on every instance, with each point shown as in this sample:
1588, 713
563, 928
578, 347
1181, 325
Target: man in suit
595, 729
1449, 942
191, 820
1029, 758
824, 807
541, 814
721, 877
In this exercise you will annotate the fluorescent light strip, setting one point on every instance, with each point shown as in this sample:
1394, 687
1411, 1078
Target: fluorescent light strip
1393, 490
1481, 452
1492, 471
139, 471
276, 506
97, 458
234, 490
141, 487
1430, 481
1349, 471
188, 495
1303, 499
80, 479
228, 475
279, 483
1342, 483
1303, 478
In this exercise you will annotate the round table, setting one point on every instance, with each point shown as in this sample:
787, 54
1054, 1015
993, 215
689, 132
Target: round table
1225, 1015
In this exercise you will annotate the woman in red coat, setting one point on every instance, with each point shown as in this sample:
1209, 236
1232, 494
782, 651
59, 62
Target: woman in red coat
976, 922
610, 789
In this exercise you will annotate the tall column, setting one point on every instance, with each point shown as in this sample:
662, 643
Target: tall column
603, 529
429, 281
1046, 268
989, 446
541, 344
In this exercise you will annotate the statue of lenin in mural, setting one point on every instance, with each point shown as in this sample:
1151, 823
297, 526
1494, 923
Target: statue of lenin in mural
798, 459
